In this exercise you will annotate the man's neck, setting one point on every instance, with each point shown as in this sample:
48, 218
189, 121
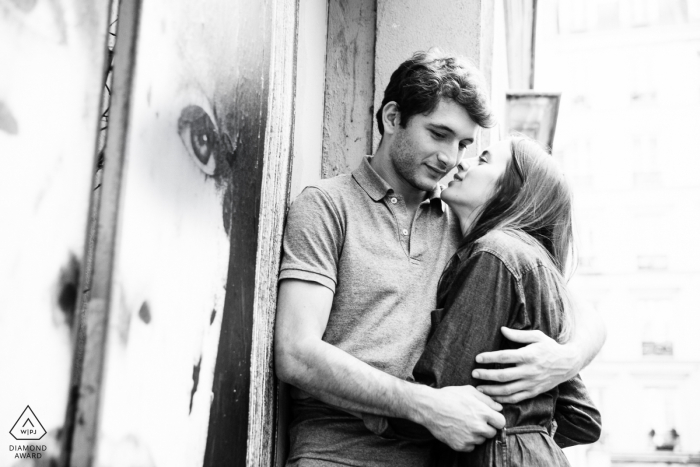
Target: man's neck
411, 195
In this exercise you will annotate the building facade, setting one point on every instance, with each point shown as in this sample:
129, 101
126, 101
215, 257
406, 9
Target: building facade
629, 72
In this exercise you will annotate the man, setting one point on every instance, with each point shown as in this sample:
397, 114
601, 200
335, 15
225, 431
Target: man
363, 255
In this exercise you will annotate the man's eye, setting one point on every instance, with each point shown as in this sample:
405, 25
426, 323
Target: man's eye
463, 146
437, 135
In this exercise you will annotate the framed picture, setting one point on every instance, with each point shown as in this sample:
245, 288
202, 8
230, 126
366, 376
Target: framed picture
533, 113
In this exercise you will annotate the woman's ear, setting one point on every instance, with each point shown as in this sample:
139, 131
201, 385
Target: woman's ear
391, 117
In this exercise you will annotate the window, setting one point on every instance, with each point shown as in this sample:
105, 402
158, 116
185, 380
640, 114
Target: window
656, 318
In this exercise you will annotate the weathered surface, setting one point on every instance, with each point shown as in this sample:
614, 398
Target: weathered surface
52, 57
273, 203
228, 424
348, 115
105, 201
176, 246
406, 26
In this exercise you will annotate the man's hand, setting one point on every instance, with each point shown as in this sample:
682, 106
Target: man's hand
540, 366
462, 417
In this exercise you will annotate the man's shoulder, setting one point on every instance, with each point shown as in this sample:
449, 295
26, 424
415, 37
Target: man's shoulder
332, 187
340, 192
336, 184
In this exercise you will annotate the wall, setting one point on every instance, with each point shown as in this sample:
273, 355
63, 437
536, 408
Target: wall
348, 108
626, 140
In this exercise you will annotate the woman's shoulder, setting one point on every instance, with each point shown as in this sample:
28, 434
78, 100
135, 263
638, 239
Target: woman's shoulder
517, 250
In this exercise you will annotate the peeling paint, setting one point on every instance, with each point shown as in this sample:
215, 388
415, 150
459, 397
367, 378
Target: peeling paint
195, 380
67, 288
145, 313
213, 316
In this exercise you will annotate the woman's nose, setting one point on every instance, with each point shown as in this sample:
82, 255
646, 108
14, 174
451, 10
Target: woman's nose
466, 164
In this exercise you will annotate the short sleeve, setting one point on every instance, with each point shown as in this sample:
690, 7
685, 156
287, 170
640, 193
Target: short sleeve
313, 239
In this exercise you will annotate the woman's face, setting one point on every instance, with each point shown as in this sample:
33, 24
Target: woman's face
475, 181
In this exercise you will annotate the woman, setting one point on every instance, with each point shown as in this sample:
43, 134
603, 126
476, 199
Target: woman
514, 209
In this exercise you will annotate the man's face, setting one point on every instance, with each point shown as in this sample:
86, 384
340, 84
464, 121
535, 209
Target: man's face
431, 145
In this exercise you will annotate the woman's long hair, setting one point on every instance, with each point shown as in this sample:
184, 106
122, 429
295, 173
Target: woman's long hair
531, 198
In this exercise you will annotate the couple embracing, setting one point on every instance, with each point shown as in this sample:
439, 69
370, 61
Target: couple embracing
426, 326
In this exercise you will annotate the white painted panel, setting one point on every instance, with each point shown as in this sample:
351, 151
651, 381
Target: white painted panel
51, 67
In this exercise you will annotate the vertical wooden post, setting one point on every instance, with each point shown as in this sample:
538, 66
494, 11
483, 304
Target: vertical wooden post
231, 403
273, 207
84, 437
348, 116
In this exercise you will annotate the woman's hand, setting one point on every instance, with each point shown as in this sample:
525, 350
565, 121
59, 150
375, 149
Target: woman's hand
539, 366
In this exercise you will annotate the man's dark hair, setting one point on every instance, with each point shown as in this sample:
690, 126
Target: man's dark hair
420, 82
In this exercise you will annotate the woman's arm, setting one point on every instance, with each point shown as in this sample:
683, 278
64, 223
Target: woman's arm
577, 419
481, 301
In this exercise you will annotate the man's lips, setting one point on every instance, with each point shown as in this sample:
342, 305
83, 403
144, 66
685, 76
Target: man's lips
441, 173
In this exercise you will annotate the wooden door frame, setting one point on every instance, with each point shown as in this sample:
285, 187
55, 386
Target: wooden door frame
273, 207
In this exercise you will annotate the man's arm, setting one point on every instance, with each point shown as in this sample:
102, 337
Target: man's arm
461, 417
544, 363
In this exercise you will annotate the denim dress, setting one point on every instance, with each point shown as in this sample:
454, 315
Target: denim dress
504, 280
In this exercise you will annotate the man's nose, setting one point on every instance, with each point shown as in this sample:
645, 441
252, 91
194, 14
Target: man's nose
449, 158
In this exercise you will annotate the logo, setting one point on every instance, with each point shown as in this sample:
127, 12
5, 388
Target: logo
28, 427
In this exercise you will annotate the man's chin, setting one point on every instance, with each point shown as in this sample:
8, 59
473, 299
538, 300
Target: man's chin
422, 182
425, 185
428, 183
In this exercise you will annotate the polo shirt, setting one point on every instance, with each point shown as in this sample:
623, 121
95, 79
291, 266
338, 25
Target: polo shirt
354, 235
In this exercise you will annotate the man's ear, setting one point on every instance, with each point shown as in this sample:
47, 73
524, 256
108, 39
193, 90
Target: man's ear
391, 117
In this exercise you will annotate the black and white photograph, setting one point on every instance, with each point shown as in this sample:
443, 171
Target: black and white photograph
370, 233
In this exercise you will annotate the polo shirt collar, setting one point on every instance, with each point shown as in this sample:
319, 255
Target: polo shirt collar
370, 181
377, 188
